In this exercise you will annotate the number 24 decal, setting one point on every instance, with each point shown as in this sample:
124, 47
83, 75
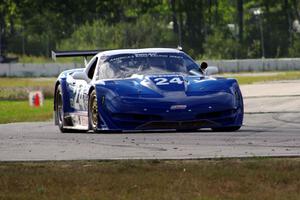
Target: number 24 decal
165, 81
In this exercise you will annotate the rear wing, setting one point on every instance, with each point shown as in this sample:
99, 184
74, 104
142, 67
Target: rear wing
83, 53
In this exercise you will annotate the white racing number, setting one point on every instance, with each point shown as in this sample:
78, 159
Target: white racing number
165, 81
78, 99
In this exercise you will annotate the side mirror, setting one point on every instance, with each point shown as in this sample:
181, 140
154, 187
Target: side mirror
203, 67
80, 76
208, 70
211, 70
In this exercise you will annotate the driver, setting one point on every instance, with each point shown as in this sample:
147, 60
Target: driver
175, 65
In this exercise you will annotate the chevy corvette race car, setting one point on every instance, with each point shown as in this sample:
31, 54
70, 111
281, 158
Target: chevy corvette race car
144, 89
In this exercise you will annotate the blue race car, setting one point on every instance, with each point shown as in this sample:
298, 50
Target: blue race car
144, 89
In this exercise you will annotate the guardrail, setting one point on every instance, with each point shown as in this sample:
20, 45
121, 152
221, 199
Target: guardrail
256, 65
35, 70
246, 65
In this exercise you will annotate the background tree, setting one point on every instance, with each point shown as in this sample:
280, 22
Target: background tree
212, 28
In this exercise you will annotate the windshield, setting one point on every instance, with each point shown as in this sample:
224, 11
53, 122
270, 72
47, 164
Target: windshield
125, 65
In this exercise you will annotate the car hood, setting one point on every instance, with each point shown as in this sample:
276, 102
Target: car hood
167, 85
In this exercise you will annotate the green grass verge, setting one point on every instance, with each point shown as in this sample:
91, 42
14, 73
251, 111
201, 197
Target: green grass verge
26, 82
19, 88
21, 111
247, 78
273, 179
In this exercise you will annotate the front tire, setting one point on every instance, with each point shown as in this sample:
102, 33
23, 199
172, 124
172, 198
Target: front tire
93, 114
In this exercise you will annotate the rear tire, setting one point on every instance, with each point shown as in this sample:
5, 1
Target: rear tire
59, 111
227, 129
93, 114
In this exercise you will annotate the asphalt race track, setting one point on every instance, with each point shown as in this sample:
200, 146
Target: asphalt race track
271, 128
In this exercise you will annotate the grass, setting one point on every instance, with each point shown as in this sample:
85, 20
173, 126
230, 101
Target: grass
20, 111
199, 180
247, 78
14, 103
26, 82
18, 88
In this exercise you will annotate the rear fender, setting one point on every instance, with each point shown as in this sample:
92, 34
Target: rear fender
65, 97
55, 102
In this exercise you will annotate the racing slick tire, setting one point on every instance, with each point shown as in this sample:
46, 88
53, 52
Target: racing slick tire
93, 115
59, 111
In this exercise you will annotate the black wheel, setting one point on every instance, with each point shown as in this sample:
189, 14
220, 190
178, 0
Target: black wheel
227, 129
59, 112
93, 112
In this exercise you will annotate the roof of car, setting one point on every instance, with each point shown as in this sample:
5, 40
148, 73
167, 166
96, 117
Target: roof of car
133, 51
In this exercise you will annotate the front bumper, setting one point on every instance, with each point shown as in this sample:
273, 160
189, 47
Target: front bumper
207, 111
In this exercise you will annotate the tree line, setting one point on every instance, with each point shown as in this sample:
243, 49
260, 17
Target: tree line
219, 29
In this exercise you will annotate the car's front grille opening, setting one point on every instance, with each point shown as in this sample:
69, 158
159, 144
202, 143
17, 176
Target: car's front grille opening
229, 120
219, 114
177, 125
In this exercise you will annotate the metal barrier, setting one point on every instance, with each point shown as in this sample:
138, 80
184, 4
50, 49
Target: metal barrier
35, 70
256, 65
